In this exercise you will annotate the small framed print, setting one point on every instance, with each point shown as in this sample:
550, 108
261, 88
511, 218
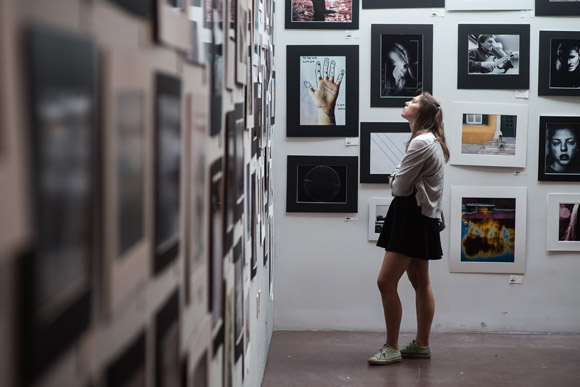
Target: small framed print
563, 233
322, 91
559, 65
401, 63
488, 230
129, 367
172, 26
381, 4
489, 134
559, 153
557, 7
322, 184
493, 56
378, 208
320, 14
488, 5
382, 147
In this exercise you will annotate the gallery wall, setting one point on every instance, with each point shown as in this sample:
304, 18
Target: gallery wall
136, 208
327, 268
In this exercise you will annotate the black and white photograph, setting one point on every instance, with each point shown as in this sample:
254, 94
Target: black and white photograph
559, 158
493, 56
322, 91
167, 169
559, 66
380, 4
378, 208
382, 147
167, 348
322, 14
322, 184
401, 63
128, 368
557, 7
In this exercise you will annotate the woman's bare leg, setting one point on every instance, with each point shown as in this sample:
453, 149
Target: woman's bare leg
418, 273
394, 265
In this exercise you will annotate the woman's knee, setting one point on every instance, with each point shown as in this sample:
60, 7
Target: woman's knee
385, 284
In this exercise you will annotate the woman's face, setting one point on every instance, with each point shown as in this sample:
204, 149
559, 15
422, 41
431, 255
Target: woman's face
563, 146
411, 109
573, 60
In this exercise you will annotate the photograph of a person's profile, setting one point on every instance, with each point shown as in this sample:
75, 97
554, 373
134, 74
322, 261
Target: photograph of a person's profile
561, 149
493, 54
323, 90
565, 63
401, 65
489, 134
569, 223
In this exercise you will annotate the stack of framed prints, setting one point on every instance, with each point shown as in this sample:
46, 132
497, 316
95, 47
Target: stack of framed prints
320, 14
382, 147
559, 68
557, 8
559, 153
563, 232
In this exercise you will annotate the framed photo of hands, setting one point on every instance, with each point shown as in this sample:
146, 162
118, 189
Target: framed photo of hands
559, 67
322, 91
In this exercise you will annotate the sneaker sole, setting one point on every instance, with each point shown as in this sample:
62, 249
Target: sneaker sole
384, 362
415, 356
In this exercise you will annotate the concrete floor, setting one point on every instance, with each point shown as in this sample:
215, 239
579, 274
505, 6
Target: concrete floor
318, 359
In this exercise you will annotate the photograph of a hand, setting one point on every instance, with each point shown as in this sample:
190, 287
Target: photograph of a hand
324, 96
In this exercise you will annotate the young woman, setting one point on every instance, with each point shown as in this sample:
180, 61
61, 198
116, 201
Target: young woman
410, 234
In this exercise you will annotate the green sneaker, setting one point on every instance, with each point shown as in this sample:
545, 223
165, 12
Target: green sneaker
387, 355
414, 351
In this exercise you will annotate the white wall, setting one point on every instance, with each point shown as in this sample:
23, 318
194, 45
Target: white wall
326, 270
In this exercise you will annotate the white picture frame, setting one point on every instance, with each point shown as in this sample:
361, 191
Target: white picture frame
499, 120
488, 5
557, 211
498, 216
377, 206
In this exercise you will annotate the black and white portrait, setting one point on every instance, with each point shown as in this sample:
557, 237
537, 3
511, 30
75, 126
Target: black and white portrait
493, 54
401, 65
565, 63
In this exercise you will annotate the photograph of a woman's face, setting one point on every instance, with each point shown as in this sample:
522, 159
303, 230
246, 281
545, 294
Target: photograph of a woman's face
562, 149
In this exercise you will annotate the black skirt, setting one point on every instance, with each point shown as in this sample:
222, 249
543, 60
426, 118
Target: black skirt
407, 231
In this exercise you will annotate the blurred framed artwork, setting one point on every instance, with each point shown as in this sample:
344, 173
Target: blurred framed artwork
489, 134
557, 7
488, 230
378, 208
559, 65
216, 243
140, 8
559, 153
487, 5
128, 368
563, 228
322, 184
493, 56
379, 4
322, 91
320, 14
199, 357
382, 147
401, 63
168, 370
172, 26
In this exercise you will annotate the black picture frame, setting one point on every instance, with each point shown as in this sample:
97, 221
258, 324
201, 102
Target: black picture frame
380, 4
514, 78
167, 169
167, 345
551, 80
382, 146
140, 8
300, 106
130, 365
56, 272
322, 184
295, 6
571, 166
558, 8
411, 46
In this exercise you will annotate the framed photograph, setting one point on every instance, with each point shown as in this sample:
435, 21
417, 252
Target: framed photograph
129, 367
378, 208
488, 5
128, 178
322, 184
242, 39
199, 360
557, 7
559, 67
559, 153
322, 91
230, 177
172, 26
140, 8
167, 169
488, 230
489, 134
216, 230
238, 299
200, 34
167, 346
216, 59
563, 233
380, 4
382, 147
320, 14
401, 63
493, 56
65, 208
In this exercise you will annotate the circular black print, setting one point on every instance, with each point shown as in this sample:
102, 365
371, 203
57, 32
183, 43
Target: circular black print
322, 184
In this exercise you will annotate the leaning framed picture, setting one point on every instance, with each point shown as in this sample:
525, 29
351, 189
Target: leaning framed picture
401, 63
322, 184
488, 5
489, 134
322, 15
559, 65
559, 153
488, 230
557, 7
322, 91
382, 147
379, 4
563, 228
493, 56
378, 208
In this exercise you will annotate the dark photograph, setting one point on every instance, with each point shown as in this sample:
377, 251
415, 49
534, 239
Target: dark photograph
569, 223
558, 155
559, 65
167, 365
557, 7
